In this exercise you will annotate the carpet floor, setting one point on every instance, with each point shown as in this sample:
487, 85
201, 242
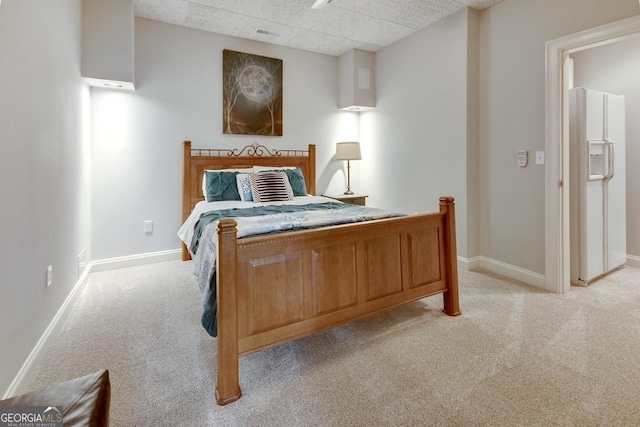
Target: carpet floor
516, 356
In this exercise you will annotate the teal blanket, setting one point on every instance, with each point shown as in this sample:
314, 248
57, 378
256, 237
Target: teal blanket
263, 220
208, 217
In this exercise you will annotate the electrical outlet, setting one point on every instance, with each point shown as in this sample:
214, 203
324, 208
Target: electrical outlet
523, 158
148, 227
49, 275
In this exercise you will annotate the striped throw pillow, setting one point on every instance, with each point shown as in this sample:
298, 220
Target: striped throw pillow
270, 187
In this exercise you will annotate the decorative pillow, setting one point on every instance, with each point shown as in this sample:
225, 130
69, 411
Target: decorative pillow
294, 175
221, 186
204, 176
244, 187
270, 187
296, 179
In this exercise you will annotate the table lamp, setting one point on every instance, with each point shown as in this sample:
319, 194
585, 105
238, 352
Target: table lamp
348, 151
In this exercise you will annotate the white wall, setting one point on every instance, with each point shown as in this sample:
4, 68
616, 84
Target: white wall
137, 136
615, 68
512, 116
44, 169
416, 137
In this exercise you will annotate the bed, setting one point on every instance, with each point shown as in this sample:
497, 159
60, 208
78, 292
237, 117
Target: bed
279, 287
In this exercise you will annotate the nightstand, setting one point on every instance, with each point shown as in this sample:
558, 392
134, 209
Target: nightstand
354, 199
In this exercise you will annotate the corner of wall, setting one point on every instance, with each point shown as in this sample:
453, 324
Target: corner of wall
473, 132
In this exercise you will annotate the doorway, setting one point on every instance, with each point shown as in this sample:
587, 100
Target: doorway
557, 261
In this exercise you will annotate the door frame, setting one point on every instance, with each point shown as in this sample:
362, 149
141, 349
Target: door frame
557, 256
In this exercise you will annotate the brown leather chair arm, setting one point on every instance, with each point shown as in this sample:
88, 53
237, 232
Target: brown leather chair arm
85, 400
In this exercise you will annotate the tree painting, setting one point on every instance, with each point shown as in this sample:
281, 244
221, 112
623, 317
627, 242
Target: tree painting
252, 94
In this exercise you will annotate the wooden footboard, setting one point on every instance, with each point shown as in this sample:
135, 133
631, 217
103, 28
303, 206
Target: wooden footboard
276, 288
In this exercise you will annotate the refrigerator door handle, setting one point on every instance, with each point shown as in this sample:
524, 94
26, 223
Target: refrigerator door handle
609, 144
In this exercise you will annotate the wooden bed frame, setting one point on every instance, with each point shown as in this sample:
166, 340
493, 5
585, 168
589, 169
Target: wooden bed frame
276, 288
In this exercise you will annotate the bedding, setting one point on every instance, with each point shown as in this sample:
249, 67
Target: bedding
294, 174
272, 186
199, 232
221, 186
216, 183
244, 187
296, 179
204, 176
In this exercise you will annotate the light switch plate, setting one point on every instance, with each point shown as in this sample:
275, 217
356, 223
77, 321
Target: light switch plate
539, 157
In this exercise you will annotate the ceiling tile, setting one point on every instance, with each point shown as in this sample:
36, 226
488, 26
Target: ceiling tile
353, 26
330, 45
169, 11
282, 11
210, 19
338, 27
415, 14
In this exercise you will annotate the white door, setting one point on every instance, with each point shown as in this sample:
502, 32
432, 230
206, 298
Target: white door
615, 185
593, 168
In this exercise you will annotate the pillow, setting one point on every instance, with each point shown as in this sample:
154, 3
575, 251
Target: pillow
270, 186
204, 176
244, 187
221, 186
296, 179
294, 175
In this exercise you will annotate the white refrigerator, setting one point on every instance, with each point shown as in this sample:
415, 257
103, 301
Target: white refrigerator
597, 184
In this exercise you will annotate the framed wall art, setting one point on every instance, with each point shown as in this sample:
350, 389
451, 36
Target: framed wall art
252, 94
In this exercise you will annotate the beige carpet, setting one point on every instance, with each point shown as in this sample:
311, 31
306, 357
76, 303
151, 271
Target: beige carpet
517, 356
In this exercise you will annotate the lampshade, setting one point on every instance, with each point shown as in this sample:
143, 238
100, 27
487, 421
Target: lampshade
348, 151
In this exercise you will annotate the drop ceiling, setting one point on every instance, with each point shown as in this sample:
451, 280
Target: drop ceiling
336, 28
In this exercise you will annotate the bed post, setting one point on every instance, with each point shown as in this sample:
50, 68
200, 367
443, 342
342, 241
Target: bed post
228, 388
450, 296
186, 190
312, 169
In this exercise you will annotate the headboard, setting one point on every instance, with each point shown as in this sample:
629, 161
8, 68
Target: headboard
197, 160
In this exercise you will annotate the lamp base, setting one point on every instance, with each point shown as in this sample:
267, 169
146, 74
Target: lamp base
349, 192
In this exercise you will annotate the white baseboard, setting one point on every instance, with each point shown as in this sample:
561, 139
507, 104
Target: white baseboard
463, 263
508, 270
26, 372
517, 273
469, 263
135, 260
633, 261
